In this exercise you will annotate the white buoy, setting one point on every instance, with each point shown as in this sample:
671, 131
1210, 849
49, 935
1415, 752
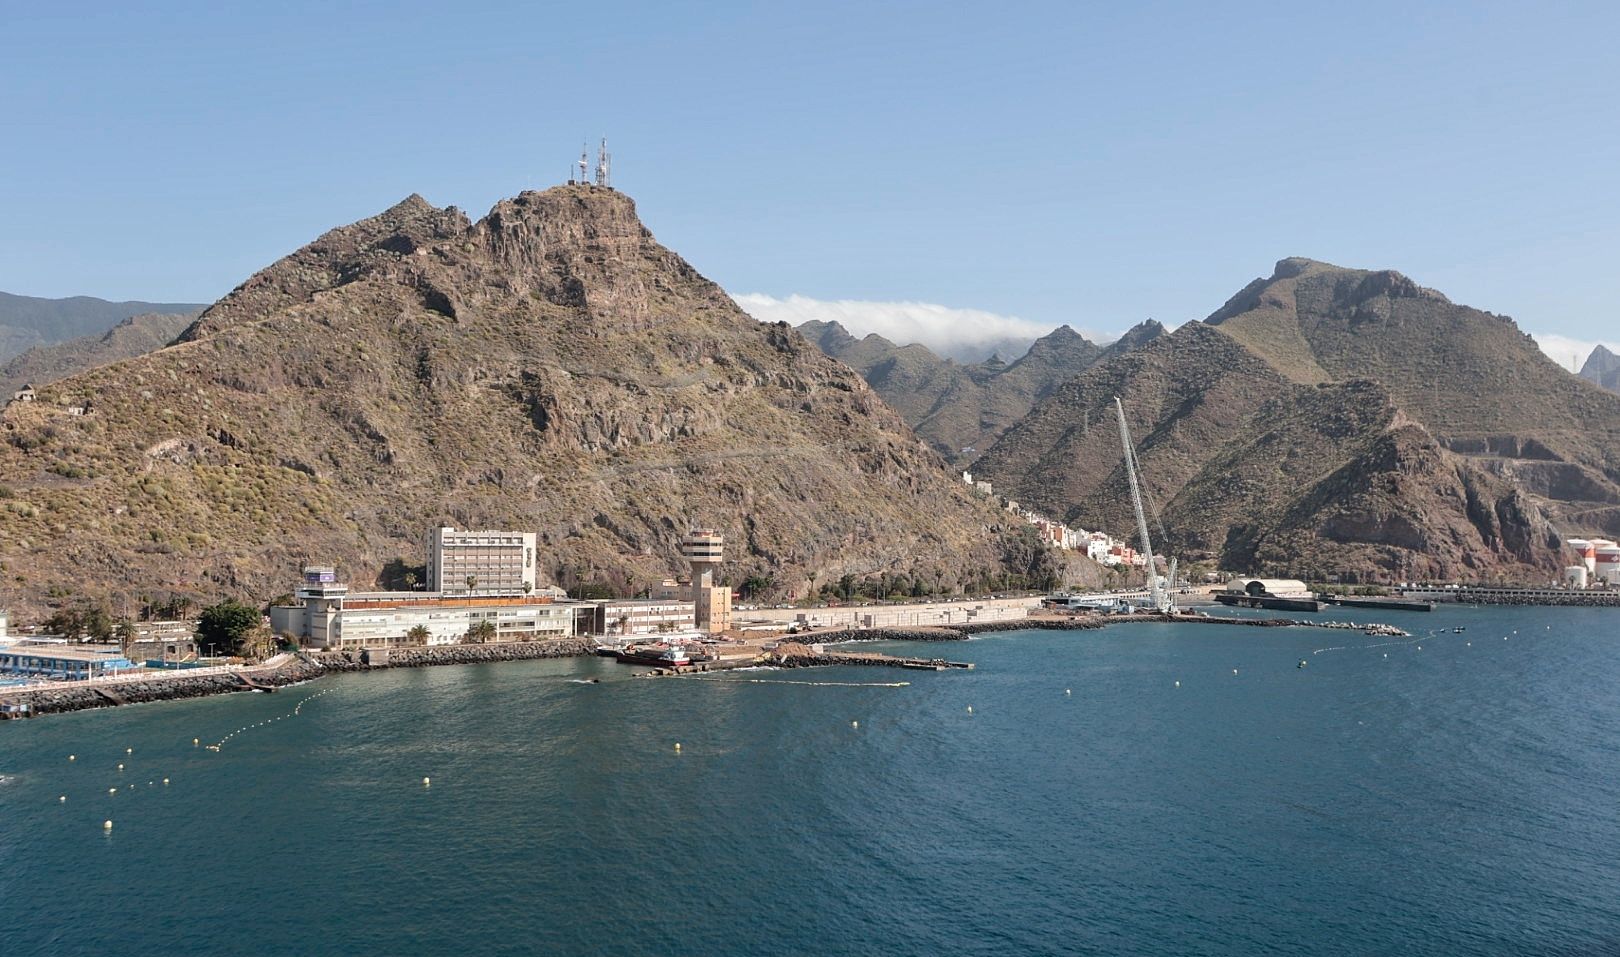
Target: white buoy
1234, 671
106, 825
195, 742
1068, 691
426, 782
62, 799
112, 790
120, 767
1178, 684
970, 709
165, 780
677, 745
129, 750
75, 757
1386, 654
854, 724
1420, 647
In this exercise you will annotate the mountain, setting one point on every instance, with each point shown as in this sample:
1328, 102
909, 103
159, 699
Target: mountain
1334, 420
548, 367
1602, 367
961, 409
27, 321
135, 336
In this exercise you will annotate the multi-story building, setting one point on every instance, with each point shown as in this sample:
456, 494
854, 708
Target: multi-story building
480, 563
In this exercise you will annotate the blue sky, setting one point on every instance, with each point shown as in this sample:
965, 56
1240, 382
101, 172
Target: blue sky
1048, 162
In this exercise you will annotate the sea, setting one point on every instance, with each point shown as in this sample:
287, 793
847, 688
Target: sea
1172, 789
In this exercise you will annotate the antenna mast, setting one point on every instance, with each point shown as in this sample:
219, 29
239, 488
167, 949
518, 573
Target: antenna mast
584, 166
1161, 603
604, 165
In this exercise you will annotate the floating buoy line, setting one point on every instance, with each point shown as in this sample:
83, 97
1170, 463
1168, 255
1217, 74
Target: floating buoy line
297, 710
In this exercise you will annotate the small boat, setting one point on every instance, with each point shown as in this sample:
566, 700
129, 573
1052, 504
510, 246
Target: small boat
657, 656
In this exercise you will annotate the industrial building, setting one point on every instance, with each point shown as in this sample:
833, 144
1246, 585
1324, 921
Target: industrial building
44, 658
1600, 560
480, 563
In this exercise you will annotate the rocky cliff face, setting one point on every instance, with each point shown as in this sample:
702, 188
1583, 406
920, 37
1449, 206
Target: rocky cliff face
1335, 420
549, 367
961, 409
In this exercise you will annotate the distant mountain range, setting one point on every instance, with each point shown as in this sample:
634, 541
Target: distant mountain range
132, 337
1602, 367
962, 408
27, 322
1331, 420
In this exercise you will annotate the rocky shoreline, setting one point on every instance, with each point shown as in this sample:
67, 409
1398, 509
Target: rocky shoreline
293, 669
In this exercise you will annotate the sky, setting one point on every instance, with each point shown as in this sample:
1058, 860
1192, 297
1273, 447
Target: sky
1033, 163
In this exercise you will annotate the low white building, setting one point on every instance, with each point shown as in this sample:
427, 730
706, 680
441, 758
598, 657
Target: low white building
328, 615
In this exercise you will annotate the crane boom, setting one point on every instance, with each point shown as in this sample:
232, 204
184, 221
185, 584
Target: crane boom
1160, 603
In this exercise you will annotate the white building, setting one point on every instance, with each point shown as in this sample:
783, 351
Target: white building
644, 616
328, 615
480, 563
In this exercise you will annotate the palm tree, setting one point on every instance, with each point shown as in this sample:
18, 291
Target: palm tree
472, 582
410, 581
418, 635
481, 631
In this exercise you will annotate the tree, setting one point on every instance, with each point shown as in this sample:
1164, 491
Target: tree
481, 631
472, 582
81, 623
126, 636
418, 635
410, 581
227, 626
755, 585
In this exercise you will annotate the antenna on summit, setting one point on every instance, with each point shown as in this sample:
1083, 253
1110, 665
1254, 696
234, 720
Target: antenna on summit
604, 165
584, 165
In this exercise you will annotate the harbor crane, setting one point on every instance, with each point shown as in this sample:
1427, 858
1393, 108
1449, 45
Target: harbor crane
1160, 596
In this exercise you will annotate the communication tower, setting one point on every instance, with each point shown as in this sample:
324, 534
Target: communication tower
604, 165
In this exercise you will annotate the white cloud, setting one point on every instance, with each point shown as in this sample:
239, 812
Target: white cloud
1563, 350
968, 334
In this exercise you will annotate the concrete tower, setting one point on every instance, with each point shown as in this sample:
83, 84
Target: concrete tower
705, 549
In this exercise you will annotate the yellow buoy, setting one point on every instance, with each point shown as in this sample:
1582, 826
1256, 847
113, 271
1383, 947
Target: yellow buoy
195, 742
426, 781
677, 745
165, 780
106, 825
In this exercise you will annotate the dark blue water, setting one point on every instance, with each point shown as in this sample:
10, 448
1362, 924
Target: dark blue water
1461, 799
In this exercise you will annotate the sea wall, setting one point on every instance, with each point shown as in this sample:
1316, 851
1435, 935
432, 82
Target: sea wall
65, 697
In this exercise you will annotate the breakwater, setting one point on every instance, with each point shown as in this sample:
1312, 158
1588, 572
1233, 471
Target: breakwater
284, 670
1085, 623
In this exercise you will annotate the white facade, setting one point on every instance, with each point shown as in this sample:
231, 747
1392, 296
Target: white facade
480, 563
382, 619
